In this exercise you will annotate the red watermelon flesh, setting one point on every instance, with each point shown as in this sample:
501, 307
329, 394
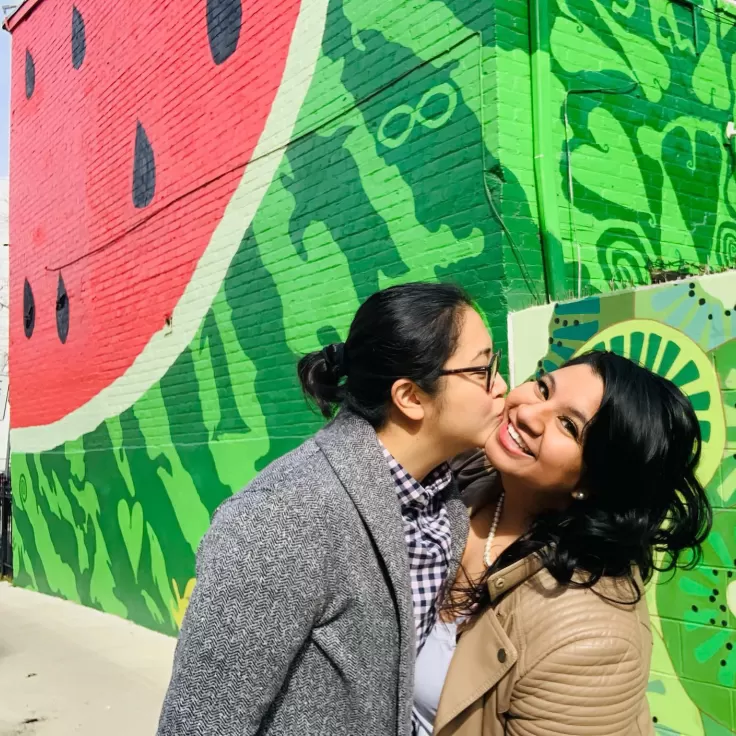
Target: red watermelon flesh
188, 85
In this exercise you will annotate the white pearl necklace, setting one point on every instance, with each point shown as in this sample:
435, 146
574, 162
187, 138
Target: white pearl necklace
491, 534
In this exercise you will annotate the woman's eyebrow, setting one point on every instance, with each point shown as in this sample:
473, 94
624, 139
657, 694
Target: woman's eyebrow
571, 409
485, 351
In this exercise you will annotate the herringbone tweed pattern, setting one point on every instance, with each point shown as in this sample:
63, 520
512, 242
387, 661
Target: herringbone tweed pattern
301, 623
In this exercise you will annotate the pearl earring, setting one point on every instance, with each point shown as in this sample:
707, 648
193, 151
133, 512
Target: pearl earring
579, 495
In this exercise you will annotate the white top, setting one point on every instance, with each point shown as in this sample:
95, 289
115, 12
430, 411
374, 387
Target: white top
433, 662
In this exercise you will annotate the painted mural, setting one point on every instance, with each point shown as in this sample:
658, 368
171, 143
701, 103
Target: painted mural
236, 177
186, 289
685, 331
645, 92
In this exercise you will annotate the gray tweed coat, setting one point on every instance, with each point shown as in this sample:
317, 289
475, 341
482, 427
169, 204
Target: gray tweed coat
301, 622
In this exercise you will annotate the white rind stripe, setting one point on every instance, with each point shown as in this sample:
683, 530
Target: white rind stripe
162, 350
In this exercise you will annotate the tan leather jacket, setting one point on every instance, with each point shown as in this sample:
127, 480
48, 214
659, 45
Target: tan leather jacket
550, 661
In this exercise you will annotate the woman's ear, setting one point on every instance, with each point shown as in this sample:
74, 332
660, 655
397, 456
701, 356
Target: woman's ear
408, 399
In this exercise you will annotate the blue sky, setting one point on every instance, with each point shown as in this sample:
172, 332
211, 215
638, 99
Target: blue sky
4, 101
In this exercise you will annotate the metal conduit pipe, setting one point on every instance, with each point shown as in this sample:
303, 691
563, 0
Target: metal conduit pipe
544, 156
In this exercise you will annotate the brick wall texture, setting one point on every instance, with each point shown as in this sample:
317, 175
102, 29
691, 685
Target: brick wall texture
203, 190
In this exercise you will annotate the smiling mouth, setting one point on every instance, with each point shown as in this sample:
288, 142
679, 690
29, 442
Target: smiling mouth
516, 437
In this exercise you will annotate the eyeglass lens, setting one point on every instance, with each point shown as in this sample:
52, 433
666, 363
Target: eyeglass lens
492, 370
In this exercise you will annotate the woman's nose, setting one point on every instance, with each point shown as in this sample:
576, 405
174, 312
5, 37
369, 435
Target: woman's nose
499, 387
530, 417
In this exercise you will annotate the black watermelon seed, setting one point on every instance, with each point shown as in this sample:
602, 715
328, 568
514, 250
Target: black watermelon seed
62, 310
29, 310
224, 19
79, 39
30, 75
144, 169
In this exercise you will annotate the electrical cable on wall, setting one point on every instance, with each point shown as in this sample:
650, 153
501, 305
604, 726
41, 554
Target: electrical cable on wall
568, 163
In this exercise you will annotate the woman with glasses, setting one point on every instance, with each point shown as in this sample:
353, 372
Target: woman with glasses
593, 488
319, 582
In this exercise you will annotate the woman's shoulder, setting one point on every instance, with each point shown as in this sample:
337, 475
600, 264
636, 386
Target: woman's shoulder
576, 650
301, 480
295, 466
613, 607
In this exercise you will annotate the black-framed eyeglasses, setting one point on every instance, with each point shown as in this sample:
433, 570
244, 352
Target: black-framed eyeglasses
491, 370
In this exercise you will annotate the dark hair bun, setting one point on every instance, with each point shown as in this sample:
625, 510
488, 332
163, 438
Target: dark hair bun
320, 374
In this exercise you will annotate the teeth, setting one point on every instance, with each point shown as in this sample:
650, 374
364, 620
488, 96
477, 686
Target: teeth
516, 437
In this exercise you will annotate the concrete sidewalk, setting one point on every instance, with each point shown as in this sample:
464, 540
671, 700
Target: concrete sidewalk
68, 670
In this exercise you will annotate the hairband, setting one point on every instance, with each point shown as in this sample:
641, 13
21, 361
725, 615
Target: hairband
334, 355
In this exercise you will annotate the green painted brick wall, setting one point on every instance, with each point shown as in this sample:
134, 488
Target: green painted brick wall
390, 172
652, 181
409, 156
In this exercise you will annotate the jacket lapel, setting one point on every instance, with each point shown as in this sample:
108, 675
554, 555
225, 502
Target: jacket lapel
351, 447
484, 651
483, 656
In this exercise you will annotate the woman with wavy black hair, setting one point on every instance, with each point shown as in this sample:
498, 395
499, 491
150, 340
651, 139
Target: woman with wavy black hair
593, 488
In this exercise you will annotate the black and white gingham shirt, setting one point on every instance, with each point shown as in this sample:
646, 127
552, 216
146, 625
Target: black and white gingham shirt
428, 539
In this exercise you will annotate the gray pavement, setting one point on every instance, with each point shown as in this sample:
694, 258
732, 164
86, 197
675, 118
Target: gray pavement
66, 670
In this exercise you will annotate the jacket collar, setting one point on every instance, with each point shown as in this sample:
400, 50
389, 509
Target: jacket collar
501, 582
484, 652
353, 451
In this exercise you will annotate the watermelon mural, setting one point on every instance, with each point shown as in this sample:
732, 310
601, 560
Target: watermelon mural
173, 280
141, 165
203, 190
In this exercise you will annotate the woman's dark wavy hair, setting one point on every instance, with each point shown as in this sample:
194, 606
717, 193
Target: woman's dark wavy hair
644, 507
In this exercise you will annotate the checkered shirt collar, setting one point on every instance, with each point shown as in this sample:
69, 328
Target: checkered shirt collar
410, 491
